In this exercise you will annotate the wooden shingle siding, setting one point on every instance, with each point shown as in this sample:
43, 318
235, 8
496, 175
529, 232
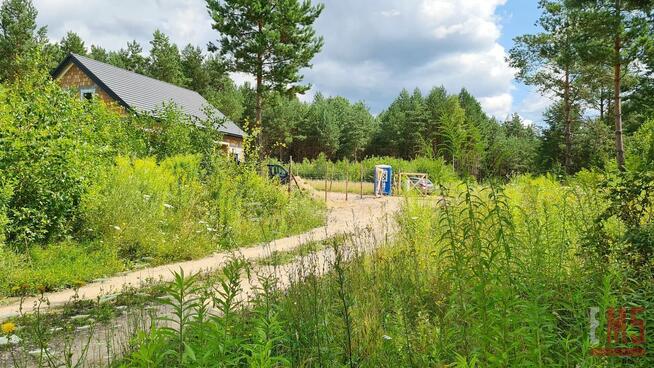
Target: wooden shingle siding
75, 79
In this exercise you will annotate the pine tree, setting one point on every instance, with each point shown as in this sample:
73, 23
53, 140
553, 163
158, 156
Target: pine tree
72, 43
271, 40
356, 131
550, 60
21, 40
454, 134
99, 54
612, 31
195, 72
165, 62
435, 103
131, 58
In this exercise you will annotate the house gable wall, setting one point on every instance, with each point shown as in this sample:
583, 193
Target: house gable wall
75, 79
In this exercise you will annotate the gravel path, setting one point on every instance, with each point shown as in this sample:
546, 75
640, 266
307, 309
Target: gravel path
374, 214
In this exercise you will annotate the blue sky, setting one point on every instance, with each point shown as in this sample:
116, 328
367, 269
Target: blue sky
373, 48
519, 17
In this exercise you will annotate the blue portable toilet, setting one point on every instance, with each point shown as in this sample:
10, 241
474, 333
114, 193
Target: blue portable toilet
383, 180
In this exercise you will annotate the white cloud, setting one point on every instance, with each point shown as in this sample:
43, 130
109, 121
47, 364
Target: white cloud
390, 13
533, 105
498, 106
373, 48
241, 78
111, 24
426, 43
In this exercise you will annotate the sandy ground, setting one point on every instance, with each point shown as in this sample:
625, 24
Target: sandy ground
343, 217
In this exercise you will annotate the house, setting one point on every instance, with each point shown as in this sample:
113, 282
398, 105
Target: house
129, 91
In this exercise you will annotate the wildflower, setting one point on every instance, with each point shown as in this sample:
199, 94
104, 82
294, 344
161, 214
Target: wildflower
169, 206
8, 328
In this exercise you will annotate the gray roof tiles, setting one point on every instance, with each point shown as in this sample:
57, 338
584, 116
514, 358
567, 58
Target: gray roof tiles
147, 95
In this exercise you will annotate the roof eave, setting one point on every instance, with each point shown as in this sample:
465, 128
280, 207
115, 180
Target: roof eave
72, 59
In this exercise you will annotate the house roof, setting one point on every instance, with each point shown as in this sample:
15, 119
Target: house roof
144, 94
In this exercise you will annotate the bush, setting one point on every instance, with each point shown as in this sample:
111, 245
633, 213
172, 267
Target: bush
6, 192
51, 148
248, 208
173, 210
640, 156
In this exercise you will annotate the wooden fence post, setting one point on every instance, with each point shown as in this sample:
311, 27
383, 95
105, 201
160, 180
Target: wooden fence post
290, 174
347, 178
361, 184
331, 179
326, 176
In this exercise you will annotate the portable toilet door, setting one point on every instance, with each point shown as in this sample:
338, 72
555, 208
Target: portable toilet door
383, 180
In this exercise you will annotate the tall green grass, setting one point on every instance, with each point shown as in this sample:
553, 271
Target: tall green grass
494, 276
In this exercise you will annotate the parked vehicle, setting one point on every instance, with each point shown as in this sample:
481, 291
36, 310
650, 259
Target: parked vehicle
278, 171
423, 185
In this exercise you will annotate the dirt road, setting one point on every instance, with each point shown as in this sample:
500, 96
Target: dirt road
374, 214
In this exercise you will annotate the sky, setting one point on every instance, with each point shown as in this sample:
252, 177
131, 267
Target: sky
373, 48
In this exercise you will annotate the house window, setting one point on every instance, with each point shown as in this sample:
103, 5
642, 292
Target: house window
87, 93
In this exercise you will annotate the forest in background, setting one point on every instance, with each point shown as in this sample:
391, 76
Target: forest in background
562, 61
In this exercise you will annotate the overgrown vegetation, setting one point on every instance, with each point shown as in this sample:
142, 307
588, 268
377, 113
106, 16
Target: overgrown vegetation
87, 192
496, 276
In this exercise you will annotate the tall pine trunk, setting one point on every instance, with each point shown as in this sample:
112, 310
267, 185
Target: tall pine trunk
617, 84
258, 104
568, 122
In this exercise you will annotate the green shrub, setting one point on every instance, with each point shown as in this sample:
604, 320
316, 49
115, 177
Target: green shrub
640, 155
168, 132
248, 208
51, 147
54, 145
6, 192
173, 210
